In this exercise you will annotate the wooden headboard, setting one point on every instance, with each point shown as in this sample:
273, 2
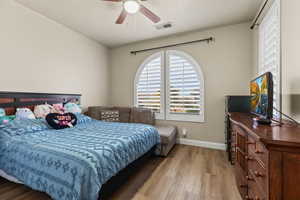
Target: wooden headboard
10, 101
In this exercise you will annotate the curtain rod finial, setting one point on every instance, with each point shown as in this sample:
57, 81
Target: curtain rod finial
254, 26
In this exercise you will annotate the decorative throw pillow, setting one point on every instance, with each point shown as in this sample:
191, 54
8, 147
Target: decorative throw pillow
2, 112
41, 111
24, 113
61, 121
72, 108
58, 108
6, 119
110, 115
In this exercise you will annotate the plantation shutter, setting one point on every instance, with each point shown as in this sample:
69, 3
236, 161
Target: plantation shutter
171, 84
184, 94
269, 48
148, 86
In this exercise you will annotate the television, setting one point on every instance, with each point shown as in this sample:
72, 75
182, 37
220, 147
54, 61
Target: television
261, 91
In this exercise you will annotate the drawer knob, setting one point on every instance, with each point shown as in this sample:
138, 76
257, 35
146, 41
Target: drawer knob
248, 158
249, 178
258, 174
259, 152
249, 198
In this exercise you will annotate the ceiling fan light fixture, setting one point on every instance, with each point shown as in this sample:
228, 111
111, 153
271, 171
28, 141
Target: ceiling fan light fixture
131, 6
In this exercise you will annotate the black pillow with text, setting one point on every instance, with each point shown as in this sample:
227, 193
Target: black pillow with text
61, 121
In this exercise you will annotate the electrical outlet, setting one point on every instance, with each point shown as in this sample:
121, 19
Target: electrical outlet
184, 132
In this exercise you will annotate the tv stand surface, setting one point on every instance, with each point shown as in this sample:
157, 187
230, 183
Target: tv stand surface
267, 158
262, 121
287, 134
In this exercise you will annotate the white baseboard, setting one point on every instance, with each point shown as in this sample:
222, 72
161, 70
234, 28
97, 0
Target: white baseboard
198, 143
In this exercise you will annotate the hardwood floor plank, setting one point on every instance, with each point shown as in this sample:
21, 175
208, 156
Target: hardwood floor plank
6, 187
188, 173
25, 196
12, 194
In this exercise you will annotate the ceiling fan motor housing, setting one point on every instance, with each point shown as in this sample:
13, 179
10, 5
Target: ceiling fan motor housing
132, 7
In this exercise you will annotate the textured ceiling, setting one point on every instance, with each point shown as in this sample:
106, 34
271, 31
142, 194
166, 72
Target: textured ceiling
96, 18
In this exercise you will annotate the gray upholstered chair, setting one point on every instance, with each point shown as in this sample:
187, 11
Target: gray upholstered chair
168, 134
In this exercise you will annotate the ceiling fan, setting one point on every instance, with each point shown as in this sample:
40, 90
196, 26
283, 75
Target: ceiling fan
132, 7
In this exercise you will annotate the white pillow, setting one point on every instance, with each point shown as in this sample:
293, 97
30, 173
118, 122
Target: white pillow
24, 113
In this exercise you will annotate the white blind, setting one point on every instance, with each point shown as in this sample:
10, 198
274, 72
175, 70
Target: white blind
269, 48
184, 86
149, 85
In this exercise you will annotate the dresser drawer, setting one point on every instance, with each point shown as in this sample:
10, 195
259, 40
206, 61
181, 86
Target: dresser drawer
254, 192
259, 173
233, 139
257, 150
233, 135
240, 138
241, 181
241, 159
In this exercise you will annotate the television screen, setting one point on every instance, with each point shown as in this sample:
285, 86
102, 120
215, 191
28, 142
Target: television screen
261, 90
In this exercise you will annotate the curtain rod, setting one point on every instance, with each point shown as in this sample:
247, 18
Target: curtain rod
259, 14
210, 39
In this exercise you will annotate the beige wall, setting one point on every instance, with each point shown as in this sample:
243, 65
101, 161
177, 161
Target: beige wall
291, 57
226, 64
39, 55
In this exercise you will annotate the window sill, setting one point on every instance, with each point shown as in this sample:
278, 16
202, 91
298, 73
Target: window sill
183, 118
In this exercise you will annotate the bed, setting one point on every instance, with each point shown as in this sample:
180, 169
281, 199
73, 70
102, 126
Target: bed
72, 163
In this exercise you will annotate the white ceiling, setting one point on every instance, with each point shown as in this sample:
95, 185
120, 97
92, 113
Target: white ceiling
96, 18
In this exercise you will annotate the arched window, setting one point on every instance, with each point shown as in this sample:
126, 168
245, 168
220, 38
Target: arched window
171, 83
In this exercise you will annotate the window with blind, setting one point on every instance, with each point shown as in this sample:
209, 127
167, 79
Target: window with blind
269, 49
171, 83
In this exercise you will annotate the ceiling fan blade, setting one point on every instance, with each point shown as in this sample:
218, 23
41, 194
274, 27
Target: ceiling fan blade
122, 17
113, 0
149, 14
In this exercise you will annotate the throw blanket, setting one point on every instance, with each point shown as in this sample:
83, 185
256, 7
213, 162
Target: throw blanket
73, 163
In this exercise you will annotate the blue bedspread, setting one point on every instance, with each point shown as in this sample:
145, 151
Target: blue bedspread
72, 164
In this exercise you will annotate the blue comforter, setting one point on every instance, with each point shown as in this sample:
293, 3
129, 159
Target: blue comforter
71, 164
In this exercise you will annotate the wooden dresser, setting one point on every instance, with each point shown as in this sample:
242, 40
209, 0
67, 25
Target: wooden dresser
267, 159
